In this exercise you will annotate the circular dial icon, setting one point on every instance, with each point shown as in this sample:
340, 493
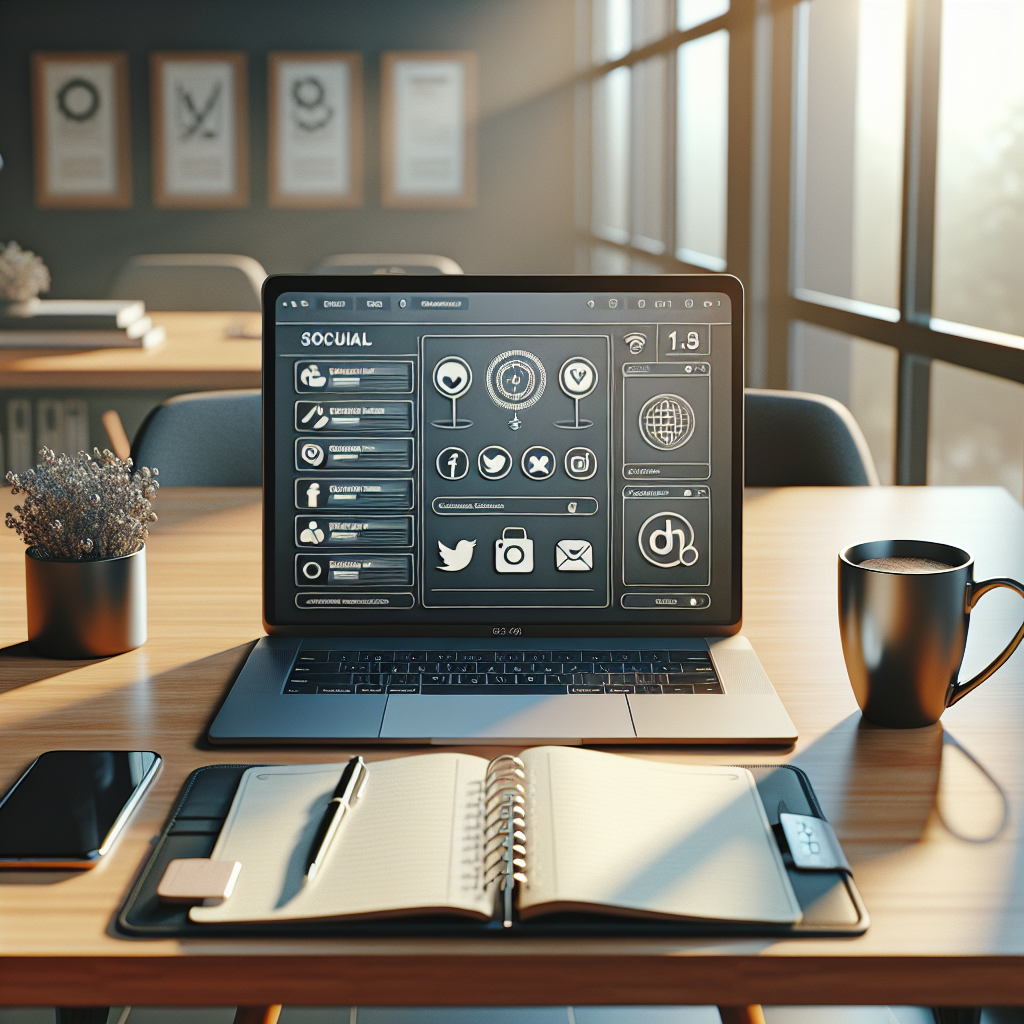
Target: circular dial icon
516, 379
578, 377
667, 422
666, 540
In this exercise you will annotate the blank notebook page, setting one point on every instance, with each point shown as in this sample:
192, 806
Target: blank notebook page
412, 843
653, 838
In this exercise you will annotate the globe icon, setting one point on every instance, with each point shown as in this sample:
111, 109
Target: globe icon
666, 422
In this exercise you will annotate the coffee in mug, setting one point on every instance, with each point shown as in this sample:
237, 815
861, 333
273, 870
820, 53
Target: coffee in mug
904, 611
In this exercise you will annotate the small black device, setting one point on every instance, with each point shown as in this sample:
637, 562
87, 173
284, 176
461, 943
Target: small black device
67, 809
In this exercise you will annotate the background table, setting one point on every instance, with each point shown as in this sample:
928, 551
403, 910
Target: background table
920, 813
198, 355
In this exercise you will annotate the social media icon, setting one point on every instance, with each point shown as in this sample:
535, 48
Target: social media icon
580, 463
312, 377
574, 556
452, 377
312, 454
538, 462
452, 463
578, 377
312, 534
312, 570
315, 418
666, 540
312, 495
514, 551
457, 558
494, 462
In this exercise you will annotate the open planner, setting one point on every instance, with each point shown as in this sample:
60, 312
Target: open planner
559, 830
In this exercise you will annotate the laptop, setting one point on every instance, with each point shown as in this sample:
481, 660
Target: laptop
502, 509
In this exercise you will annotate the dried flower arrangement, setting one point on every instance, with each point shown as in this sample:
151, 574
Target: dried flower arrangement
83, 507
23, 275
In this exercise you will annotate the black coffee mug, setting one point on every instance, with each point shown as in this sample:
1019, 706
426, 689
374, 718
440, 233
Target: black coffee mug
903, 618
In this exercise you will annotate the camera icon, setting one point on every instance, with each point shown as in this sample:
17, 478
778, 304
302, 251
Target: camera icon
514, 551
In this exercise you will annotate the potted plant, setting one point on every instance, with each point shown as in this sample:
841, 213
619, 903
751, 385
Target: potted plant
85, 519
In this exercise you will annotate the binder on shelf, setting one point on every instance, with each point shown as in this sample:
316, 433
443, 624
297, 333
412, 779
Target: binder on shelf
50, 424
20, 452
618, 871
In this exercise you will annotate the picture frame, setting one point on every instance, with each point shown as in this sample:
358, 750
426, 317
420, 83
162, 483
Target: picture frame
428, 129
81, 130
200, 129
315, 154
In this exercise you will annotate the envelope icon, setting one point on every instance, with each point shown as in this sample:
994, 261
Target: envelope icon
574, 556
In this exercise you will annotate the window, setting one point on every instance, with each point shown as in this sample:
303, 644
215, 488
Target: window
859, 165
657, 167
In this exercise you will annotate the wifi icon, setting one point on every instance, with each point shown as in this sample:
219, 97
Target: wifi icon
636, 342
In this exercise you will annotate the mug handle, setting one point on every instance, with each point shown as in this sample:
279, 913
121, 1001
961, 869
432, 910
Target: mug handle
975, 592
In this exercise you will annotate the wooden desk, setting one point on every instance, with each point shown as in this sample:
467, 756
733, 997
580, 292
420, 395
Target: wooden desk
198, 355
918, 816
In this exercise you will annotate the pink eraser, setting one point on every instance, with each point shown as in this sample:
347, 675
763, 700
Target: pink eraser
198, 880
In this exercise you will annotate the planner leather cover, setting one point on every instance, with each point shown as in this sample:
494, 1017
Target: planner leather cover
832, 906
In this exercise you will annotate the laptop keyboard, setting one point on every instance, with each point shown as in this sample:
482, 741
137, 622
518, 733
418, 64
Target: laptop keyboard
524, 672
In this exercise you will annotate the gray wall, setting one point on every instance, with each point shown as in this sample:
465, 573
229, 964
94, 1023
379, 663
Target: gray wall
521, 224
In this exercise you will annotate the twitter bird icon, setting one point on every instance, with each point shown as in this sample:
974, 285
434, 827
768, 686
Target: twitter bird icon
456, 558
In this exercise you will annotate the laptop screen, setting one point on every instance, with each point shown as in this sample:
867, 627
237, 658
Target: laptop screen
502, 456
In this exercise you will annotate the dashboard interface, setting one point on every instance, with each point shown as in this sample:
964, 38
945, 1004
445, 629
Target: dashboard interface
485, 459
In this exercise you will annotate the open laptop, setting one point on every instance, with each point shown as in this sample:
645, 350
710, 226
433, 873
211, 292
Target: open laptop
502, 509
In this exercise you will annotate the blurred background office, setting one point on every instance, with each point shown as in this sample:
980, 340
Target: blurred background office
859, 164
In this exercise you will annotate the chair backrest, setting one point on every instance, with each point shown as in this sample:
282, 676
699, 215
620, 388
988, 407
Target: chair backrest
352, 263
206, 439
191, 281
795, 439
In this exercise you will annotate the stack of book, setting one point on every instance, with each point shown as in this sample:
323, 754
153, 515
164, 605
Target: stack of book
77, 323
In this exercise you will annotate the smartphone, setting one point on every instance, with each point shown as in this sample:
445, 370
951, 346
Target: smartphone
67, 809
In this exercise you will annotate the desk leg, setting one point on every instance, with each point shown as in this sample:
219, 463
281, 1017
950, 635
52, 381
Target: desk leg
755, 1015
82, 1014
245, 1015
956, 1014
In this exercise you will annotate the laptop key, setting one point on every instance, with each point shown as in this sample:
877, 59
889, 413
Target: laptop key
403, 688
370, 688
411, 656
562, 678
501, 679
619, 688
302, 687
376, 656
678, 688
565, 656
319, 667
469, 679
491, 690
434, 679
530, 678
344, 688
312, 656
586, 688
647, 688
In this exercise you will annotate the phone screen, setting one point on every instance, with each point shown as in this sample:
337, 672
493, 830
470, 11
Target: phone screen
70, 804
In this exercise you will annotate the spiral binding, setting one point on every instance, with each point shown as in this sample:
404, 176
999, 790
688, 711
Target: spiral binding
505, 827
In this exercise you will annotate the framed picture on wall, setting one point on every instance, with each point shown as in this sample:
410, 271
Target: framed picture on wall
428, 128
200, 130
315, 158
81, 130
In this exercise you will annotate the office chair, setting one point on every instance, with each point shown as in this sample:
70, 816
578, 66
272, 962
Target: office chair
191, 281
795, 439
206, 439
386, 263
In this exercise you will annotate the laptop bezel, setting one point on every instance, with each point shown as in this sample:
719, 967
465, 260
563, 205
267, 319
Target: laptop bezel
276, 285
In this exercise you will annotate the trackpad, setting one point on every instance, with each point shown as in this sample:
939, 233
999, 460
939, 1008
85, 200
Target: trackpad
508, 716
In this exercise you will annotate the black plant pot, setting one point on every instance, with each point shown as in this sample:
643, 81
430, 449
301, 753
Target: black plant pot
88, 609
